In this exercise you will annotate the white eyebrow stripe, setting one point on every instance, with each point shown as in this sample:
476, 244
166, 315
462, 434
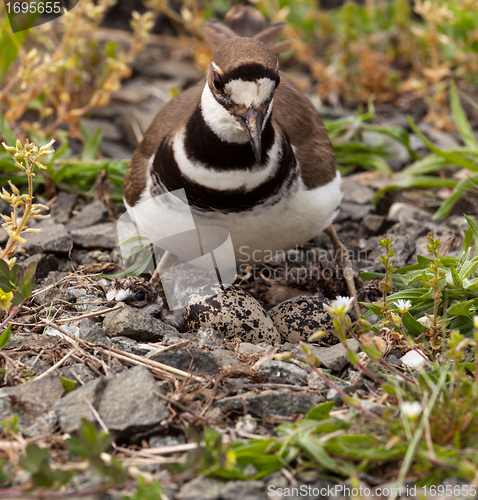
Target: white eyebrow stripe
250, 93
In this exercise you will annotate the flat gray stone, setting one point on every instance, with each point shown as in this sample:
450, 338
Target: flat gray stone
403, 212
63, 206
91, 214
201, 488
33, 402
226, 358
52, 238
354, 192
269, 404
333, 358
136, 324
45, 263
98, 236
281, 372
81, 371
353, 211
189, 359
126, 403
92, 332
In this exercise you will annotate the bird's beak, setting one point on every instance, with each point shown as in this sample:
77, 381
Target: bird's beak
252, 121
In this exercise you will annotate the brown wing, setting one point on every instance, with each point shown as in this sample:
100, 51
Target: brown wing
298, 118
176, 112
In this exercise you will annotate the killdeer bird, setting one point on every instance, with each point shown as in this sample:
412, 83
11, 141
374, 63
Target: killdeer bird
247, 147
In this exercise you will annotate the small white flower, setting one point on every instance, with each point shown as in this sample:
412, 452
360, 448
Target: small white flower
411, 410
340, 305
403, 305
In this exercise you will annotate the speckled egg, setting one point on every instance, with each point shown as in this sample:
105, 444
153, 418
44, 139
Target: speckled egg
232, 312
298, 318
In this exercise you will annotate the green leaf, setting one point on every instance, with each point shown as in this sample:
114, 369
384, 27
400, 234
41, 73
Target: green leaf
320, 412
451, 157
474, 227
413, 326
461, 121
422, 181
5, 337
460, 308
92, 144
29, 279
68, 385
460, 188
7, 133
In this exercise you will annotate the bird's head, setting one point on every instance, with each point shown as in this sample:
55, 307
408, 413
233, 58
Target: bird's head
242, 77
136, 292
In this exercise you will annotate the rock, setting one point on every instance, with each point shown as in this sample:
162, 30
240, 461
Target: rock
298, 318
91, 214
405, 235
44, 298
98, 236
375, 408
253, 349
116, 151
63, 206
188, 359
316, 382
136, 324
393, 360
354, 192
45, 264
51, 239
125, 402
90, 303
210, 337
92, 332
414, 360
70, 328
334, 395
78, 371
441, 139
160, 441
3, 236
373, 225
353, 211
401, 156
33, 403
201, 488
403, 212
270, 404
250, 490
126, 344
109, 130
281, 372
226, 359
333, 358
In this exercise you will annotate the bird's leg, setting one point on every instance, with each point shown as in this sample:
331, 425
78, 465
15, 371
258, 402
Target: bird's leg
161, 265
342, 258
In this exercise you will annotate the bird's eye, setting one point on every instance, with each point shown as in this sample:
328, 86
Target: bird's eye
277, 82
140, 296
218, 83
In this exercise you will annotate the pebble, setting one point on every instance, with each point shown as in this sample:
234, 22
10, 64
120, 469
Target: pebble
44, 264
269, 404
91, 214
135, 324
63, 206
51, 239
98, 236
189, 359
281, 372
125, 402
414, 360
32, 402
